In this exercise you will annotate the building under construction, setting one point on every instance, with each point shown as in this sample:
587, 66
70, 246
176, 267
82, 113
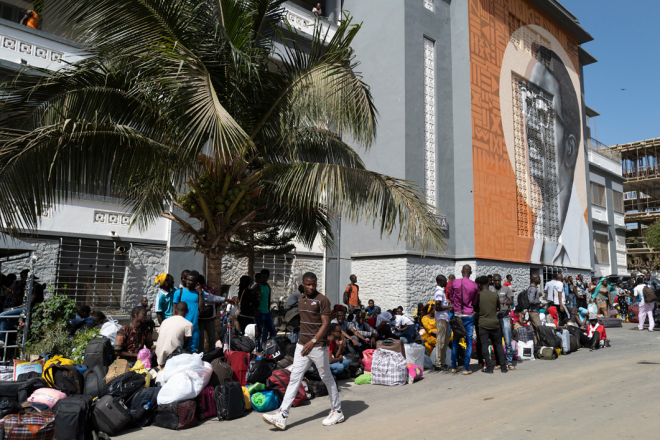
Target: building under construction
639, 161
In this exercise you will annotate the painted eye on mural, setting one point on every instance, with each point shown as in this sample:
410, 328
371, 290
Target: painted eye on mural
570, 151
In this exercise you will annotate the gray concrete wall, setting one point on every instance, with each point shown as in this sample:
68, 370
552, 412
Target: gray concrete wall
145, 263
46, 250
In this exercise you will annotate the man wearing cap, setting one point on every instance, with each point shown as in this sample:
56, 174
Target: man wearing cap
595, 332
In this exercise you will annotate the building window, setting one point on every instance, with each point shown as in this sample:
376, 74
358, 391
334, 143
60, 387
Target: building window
428, 4
617, 198
91, 272
601, 246
429, 119
11, 13
598, 195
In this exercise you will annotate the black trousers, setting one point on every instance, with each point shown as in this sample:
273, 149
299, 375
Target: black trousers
492, 337
581, 302
586, 341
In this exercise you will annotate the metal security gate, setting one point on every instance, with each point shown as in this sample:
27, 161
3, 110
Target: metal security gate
281, 278
91, 272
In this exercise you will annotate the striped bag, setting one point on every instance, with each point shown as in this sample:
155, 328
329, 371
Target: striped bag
388, 368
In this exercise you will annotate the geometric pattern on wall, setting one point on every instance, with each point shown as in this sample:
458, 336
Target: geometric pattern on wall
428, 4
429, 120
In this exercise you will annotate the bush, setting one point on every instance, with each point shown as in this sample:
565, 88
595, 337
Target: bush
80, 342
58, 342
48, 326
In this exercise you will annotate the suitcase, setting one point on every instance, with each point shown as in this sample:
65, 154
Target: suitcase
240, 363
110, 415
565, 340
99, 351
393, 345
633, 315
73, 418
574, 344
229, 400
611, 322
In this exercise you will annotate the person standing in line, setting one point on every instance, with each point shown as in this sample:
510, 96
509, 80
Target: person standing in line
505, 294
314, 309
441, 323
561, 300
534, 305
463, 295
351, 295
644, 308
193, 295
264, 320
509, 283
165, 297
248, 303
581, 290
174, 333
207, 315
550, 290
184, 277
487, 307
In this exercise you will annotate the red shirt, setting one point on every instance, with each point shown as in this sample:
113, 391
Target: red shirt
506, 283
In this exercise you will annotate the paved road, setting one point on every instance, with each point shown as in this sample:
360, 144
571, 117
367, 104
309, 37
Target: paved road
608, 393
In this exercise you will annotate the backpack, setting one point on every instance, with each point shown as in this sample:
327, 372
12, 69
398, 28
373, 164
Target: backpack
547, 337
355, 366
205, 404
94, 379
272, 351
523, 299
229, 400
125, 386
546, 353
649, 295
140, 416
242, 343
98, 352
260, 371
110, 415
73, 418
279, 381
65, 378
176, 415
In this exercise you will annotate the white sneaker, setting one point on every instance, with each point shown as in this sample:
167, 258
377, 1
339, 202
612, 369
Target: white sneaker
334, 418
276, 419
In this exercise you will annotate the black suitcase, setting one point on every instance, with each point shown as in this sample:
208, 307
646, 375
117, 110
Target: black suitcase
259, 371
110, 415
94, 378
574, 344
9, 388
26, 390
99, 351
229, 400
73, 418
139, 415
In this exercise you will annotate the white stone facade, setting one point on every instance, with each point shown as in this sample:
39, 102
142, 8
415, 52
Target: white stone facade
145, 263
47, 252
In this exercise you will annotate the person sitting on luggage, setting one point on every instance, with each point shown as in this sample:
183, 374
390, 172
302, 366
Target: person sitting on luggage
175, 332
336, 349
595, 332
132, 337
345, 326
404, 326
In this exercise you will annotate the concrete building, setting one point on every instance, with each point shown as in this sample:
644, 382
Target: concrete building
481, 103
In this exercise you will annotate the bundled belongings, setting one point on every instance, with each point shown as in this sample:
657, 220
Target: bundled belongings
73, 418
183, 378
29, 426
176, 415
388, 368
414, 373
229, 400
264, 402
117, 368
110, 415
47, 396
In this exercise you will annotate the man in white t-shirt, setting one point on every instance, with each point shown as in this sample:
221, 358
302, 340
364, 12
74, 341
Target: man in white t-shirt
644, 308
441, 323
175, 332
317, 10
403, 326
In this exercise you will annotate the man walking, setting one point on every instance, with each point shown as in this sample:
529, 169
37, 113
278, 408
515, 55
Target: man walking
644, 308
314, 309
351, 298
441, 323
534, 305
463, 295
505, 294
489, 326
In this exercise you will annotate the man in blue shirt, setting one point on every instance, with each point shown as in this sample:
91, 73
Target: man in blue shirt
165, 298
193, 296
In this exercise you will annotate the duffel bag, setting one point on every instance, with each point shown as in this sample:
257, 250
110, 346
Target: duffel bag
318, 388
125, 386
279, 381
176, 415
388, 368
29, 426
206, 404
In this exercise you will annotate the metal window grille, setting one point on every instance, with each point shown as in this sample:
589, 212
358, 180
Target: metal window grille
281, 274
601, 248
91, 272
429, 119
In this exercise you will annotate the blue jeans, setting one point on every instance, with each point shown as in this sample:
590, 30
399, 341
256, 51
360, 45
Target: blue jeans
468, 322
8, 324
505, 325
338, 367
266, 327
409, 335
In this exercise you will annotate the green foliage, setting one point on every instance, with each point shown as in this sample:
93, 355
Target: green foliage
57, 341
652, 235
80, 342
251, 244
51, 314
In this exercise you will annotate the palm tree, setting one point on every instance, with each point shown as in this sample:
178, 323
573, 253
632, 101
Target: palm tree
188, 110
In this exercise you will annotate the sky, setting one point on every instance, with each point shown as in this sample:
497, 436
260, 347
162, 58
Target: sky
626, 47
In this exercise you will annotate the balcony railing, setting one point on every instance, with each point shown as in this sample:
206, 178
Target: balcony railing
604, 150
305, 22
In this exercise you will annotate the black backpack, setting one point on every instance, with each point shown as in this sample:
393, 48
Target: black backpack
523, 299
94, 378
125, 386
229, 400
242, 343
272, 351
9, 406
547, 337
26, 390
318, 388
73, 418
355, 366
259, 371
98, 352
140, 416
66, 378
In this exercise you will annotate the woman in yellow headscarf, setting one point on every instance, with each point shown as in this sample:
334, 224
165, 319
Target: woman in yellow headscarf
430, 330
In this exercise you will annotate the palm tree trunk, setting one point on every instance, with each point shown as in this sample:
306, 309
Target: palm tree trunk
214, 278
251, 265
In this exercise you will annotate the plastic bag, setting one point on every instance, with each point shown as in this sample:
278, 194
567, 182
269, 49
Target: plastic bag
246, 397
183, 378
367, 358
256, 387
414, 373
415, 354
429, 361
109, 329
363, 379
145, 356
139, 368
264, 402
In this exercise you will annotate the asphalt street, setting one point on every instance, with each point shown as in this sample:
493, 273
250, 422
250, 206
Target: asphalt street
608, 393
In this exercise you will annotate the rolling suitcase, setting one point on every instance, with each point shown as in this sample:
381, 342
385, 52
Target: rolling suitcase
574, 344
239, 362
110, 415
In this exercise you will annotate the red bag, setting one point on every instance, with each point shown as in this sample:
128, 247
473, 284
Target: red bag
367, 358
206, 404
240, 363
279, 381
633, 316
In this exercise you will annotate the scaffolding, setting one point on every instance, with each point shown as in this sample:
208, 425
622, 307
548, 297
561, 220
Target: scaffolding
641, 201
